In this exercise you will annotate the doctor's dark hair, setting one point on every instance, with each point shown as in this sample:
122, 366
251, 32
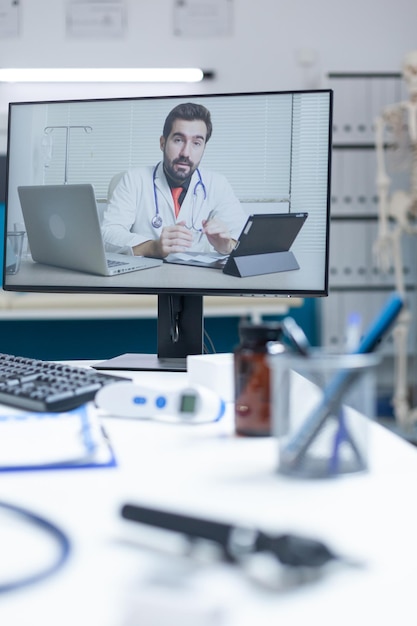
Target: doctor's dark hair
190, 112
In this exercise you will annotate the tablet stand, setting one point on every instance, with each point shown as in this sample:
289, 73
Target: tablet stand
255, 264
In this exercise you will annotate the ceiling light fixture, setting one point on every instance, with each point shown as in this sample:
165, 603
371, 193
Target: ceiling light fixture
103, 75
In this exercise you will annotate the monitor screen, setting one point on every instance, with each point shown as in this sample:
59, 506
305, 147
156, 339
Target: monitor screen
224, 194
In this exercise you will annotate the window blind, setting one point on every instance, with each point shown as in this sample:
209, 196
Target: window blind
250, 145
271, 147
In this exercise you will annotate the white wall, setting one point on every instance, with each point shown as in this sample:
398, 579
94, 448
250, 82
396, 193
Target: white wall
262, 53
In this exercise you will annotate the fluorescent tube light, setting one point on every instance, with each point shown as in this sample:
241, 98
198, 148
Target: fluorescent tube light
101, 75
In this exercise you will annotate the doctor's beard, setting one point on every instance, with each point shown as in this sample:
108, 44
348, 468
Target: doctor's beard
179, 176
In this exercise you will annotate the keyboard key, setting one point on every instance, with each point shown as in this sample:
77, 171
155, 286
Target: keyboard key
38, 385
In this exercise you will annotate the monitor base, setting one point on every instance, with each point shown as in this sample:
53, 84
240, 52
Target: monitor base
143, 362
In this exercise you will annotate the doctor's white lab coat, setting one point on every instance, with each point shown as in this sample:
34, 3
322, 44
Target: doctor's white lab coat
127, 220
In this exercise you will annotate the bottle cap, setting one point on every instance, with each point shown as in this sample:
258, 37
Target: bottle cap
267, 331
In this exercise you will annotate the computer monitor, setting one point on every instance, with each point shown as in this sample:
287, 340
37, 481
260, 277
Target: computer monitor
254, 220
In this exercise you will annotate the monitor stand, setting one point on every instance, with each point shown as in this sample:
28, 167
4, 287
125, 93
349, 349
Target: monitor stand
180, 333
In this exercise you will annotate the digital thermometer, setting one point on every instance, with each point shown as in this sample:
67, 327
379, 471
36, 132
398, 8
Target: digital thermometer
194, 404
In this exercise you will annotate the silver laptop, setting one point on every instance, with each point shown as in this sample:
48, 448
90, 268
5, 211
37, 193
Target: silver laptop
63, 229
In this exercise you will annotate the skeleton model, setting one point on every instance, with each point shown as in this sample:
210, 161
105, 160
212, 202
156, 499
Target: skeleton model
397, 216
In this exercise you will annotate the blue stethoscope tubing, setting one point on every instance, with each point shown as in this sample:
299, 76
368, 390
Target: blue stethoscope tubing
157, 219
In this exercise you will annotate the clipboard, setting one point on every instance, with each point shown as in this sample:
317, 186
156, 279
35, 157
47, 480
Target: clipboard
37, 441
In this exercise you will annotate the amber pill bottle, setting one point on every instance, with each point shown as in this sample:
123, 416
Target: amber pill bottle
252, 378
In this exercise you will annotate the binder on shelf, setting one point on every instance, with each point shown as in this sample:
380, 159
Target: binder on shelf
363, 176
349, 192
332, 321
350, 111
349, 264
337, 182
385, 91
370, 175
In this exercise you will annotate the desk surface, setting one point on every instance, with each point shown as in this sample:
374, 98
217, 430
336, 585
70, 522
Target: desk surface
171, 275
206, 470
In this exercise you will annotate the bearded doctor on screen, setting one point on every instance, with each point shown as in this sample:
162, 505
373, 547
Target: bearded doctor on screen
174, 206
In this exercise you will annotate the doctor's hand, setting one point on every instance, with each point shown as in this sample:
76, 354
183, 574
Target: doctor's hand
218, 235
175, 238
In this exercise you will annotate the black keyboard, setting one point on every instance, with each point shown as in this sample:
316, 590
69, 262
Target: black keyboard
37, 385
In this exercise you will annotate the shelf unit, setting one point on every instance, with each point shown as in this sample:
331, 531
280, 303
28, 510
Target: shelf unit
356, 283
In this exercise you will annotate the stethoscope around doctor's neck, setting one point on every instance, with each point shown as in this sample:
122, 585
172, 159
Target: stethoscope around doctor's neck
157, 219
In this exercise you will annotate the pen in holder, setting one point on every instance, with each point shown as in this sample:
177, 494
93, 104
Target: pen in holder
323, 402
322, 408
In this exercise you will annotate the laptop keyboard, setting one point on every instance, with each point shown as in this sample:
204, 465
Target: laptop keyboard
48, 386
113, 263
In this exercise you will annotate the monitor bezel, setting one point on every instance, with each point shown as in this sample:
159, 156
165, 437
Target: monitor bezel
182, 290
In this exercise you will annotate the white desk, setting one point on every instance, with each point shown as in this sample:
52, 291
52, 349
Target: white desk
168, 275
206, 471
